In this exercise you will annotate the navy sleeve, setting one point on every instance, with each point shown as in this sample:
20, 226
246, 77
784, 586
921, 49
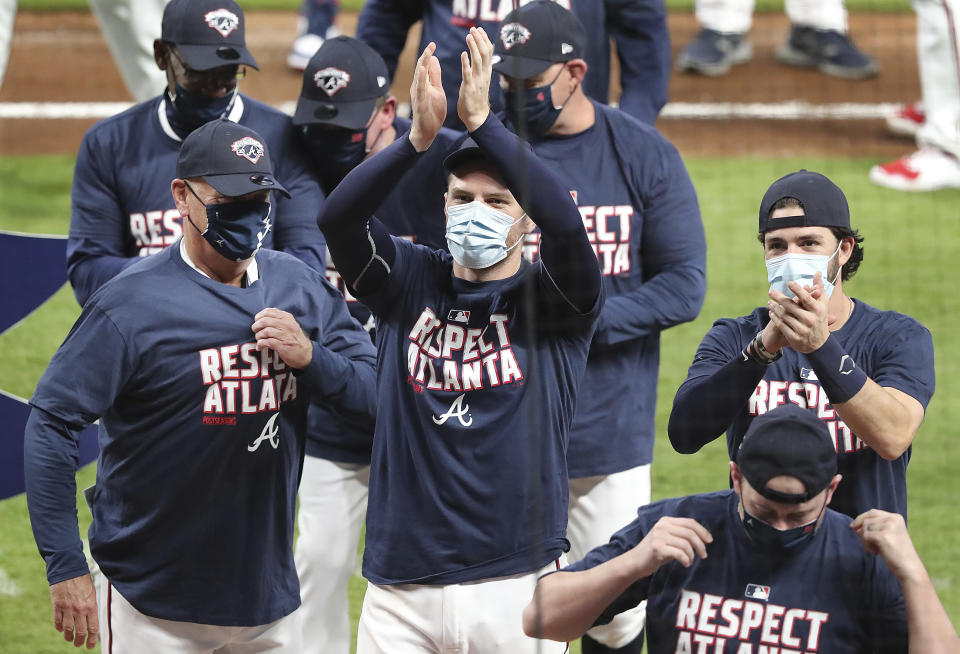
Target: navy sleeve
360, 245
718, 384
907, 362
84, 377
96, 251
296, 217
383, 25
674, 256
884, 611
343, 367
571, 267
639, 28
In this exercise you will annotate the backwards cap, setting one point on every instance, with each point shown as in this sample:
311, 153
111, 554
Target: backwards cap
824, 204
789, 441
207, 33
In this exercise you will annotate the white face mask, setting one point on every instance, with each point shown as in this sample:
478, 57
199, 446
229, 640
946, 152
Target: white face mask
800, 268
477, 234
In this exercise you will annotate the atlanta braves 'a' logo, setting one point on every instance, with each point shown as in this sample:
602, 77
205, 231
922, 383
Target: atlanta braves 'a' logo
331, 79
513, 33
457, 410
270, 434
249, 148
222, 20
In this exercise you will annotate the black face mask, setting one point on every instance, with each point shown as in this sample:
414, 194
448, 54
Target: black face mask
537, 111
193, 109
779, 540
334, 151
235, 229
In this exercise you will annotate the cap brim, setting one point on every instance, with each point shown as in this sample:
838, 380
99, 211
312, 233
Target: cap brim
462, 155
349, 115
207, 57
237, 184
520, 67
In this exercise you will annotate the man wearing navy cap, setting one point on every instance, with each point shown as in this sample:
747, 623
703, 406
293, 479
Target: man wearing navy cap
640, 213
121, 207
868, 374
345, 114
764, 567
199, 362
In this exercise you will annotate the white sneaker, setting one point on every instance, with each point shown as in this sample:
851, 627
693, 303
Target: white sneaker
304, 47
907, 119
927, 169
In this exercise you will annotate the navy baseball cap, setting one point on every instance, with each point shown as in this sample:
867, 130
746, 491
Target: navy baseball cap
341, 84
534, 37
790, 441
231, 158
207, 33
824, 204
466, 151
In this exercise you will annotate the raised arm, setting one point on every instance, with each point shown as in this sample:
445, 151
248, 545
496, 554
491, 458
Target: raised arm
361, 246
564, 248
383, 25
566, 604
929, 627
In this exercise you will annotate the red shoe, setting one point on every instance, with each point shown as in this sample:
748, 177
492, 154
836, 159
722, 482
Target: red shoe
927, 169
907, 119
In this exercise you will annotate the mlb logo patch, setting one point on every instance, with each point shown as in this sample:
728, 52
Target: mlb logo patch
513, 33
458, 315
249, 148
331, 80
807, 374
757, 592
222, 20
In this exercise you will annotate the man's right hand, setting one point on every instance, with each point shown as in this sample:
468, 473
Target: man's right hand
671, 539
75, 610
428, 103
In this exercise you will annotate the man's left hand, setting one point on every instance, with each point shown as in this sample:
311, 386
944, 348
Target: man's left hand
804, 320
279, 331
885, 534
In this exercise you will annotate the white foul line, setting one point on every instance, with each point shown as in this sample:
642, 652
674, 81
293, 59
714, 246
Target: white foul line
790, 110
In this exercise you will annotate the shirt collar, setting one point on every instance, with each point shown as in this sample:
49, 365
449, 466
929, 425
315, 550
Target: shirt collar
235, 113
253, 271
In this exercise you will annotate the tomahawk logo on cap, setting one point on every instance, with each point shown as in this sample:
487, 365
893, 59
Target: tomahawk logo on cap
331, 79
513, 33
249, 148
222, 20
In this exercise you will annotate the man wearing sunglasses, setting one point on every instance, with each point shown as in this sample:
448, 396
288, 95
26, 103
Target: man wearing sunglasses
121, 207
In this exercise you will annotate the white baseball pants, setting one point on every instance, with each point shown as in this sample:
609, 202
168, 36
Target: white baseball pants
599, 507
938, 56
130, 27
736, 16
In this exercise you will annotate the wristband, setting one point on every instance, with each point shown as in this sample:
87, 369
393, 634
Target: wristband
840, 376
762, 352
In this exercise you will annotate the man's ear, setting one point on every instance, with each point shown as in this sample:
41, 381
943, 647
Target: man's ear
736, 477
389, 111
179, 191
160, 52
578, 69
833, 486
846, 250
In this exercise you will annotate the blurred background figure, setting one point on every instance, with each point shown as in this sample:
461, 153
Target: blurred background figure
130, 27
818, 39
316, 24
935, 121
8, 9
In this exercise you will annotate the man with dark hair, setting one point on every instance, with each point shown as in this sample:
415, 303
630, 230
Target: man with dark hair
763, 567
867, 373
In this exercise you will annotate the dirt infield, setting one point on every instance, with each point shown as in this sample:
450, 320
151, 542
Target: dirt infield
61, 57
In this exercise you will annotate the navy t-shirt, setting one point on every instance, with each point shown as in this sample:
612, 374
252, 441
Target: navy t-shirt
641, 214
476, 384
411, 211
893, 349
201, 436
829, 595
121, 207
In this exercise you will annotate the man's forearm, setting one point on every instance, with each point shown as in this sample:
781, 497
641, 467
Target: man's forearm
931, 631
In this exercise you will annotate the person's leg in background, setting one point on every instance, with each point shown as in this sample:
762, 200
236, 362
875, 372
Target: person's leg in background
8, 11
599, 507
819, 39
317, 22
936, 164
722, 41
333, 504
130, 27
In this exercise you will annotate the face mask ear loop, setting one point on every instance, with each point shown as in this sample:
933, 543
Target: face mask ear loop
190, 188
839, 267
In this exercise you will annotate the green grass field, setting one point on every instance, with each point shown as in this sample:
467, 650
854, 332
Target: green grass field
910, 266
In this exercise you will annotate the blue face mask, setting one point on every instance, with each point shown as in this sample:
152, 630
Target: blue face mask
537, 111
477, 234
235, 229
778, 540
334, 151
800, 268
194, 109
